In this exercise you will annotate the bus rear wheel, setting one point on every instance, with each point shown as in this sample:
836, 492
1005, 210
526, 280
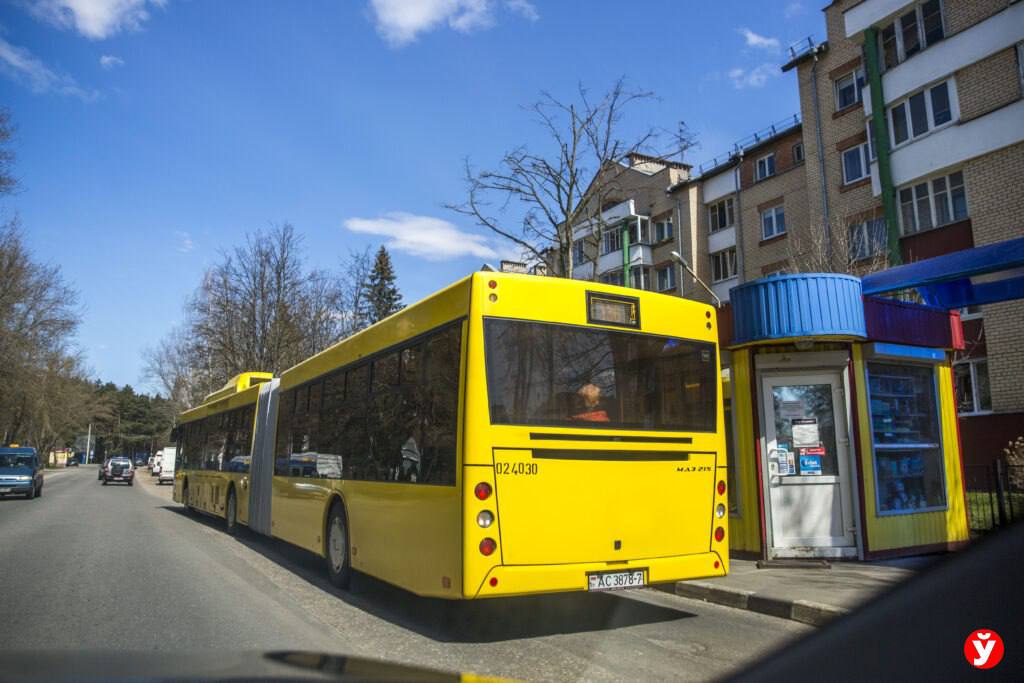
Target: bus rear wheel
231, 514
336, 547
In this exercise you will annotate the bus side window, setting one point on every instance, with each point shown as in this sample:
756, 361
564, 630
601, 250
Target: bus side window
441, 404
283, 449
386, 405
355, 445
330, 436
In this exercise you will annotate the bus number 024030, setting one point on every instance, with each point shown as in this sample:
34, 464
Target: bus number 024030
516, 467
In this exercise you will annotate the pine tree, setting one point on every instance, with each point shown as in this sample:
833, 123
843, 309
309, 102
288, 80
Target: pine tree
382, 296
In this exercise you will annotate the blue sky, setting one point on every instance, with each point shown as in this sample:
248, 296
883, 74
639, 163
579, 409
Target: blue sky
151, 135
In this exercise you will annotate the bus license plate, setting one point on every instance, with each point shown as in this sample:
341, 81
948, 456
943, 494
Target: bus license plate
610, 581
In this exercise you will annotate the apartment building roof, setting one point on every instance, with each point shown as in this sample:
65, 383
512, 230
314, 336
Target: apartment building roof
802, 51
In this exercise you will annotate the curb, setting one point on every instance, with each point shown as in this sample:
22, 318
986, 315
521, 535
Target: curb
804, 611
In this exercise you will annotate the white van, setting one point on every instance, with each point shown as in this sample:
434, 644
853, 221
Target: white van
154, 469
167, 457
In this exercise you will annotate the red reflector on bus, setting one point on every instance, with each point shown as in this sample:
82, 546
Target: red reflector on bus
721, 488
716, 564
482, 490
719, 534
487, 546
492, 284
493, 581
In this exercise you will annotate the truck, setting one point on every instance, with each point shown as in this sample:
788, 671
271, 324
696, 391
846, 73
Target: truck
167, 458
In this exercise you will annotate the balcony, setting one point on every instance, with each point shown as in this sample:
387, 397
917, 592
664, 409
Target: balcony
870, 12
639, 255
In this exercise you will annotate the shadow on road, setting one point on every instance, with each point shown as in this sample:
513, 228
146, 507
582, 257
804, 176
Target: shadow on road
480, 621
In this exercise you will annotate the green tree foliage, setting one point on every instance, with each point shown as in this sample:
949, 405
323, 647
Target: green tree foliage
382, 295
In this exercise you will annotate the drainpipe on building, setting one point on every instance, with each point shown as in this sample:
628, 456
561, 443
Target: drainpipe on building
880, 134
826, 212
679, 241
626, 282
739, 220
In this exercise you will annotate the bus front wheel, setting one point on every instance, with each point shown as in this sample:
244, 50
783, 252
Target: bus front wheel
339, 569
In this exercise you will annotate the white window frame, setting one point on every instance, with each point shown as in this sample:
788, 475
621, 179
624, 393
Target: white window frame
730, 214
663, 226
727, 263
972, 363
773, 212
579, 251
864, 228
858, 87
671, 277
611, 277
890, 113
901, 54
614, 235
757, 167
932, 206
865, 162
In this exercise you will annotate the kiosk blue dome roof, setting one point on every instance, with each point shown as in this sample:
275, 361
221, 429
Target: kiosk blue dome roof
803, 305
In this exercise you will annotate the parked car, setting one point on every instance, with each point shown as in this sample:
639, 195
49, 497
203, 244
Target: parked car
103, 468
71, 462
167, 458
149, 463
21, 472
119, 469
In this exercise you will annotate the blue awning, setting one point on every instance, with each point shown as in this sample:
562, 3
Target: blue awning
982, 275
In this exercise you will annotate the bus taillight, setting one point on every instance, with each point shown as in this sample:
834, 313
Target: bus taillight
721, 488
487, 546
719, 535
482, 490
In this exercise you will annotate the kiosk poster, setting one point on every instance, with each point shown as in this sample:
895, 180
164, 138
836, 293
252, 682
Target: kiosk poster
810, 465
805, 432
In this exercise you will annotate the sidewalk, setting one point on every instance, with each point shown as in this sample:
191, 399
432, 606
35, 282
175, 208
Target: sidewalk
811, 592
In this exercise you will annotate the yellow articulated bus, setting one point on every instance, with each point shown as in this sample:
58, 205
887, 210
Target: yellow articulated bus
508, 435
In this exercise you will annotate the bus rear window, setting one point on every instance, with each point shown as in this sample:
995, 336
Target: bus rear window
570, 376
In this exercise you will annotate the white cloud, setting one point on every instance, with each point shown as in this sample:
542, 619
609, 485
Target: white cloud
185, 242
433, 239
110, 61
95, 19
793, 9
754, 78
524, 8
402, 21
759, 41
19, 64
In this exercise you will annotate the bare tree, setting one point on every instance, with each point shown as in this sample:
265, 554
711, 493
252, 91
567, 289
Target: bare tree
534, 198
852, 247
352, 291
8, 183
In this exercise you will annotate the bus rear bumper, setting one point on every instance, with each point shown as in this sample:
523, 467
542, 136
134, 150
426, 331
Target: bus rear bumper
555, 578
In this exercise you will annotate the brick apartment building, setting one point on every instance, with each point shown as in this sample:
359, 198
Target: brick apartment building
908, 145
918, 110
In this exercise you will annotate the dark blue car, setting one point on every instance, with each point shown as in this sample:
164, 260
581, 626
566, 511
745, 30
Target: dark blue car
21, 473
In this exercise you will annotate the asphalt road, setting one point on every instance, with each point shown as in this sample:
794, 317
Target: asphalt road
88, 567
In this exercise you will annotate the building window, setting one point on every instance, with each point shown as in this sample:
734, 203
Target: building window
856, 164
867, 239
849, 89
721, 215
641, 277
611, 240
972, 389
773, 222
909, 469
666, 278
913, 31
970, 312
920, 113
639, 231
611, 278
723, 265
930, 204
1020, 64
798, 152
766, 166
579, 253
663, 230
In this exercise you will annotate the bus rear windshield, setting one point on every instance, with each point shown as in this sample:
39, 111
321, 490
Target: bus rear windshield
570, 376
